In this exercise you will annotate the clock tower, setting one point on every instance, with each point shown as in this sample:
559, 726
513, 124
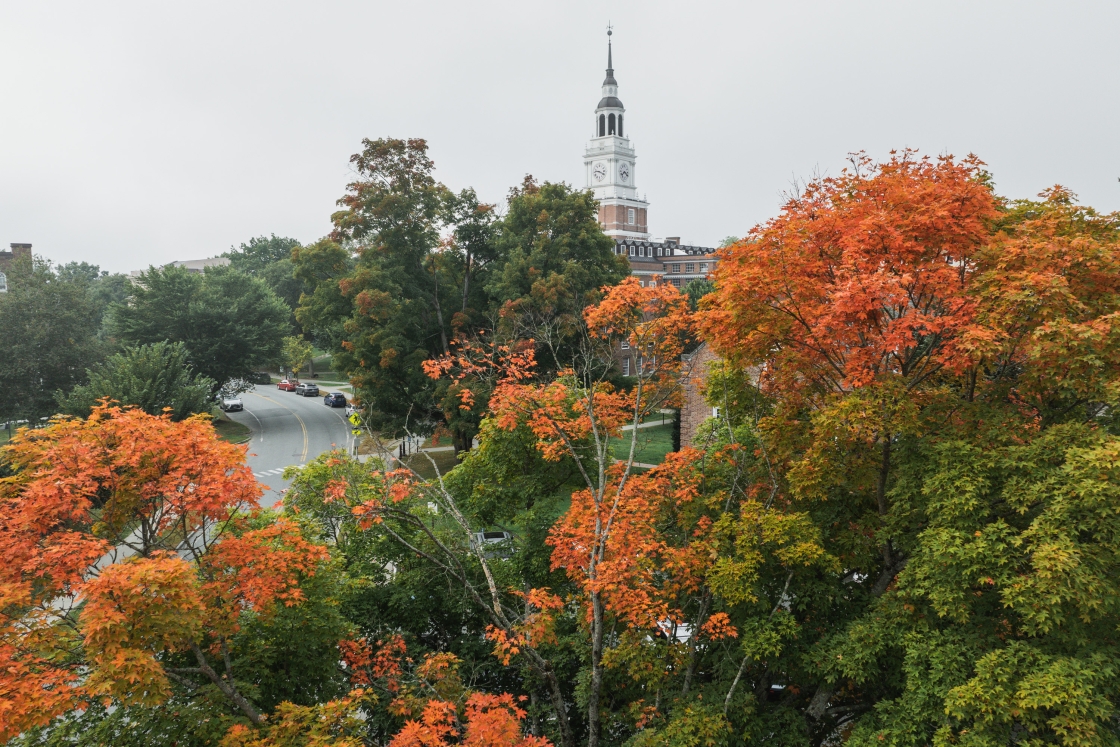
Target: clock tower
609, 163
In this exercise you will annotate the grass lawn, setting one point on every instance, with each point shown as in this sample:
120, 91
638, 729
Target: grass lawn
228, 430
653, 444
445, 460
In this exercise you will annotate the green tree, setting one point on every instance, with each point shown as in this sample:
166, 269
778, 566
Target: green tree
230, 323
104, 289
296, 352
50, 327
323, 307
555, 257
696, 289
411, 289
270, 259
152, 377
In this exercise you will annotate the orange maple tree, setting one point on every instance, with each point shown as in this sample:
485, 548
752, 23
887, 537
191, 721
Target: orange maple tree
126, 538
579, 414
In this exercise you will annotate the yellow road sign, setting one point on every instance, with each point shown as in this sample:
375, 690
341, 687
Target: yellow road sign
355, 419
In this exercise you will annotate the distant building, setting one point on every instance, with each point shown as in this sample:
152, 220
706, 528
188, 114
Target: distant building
8, 258
610, 168
194, 266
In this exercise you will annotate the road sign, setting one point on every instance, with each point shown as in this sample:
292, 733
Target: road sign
355, 419
356, 431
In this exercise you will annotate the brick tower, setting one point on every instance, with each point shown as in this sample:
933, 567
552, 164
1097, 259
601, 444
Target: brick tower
609, 162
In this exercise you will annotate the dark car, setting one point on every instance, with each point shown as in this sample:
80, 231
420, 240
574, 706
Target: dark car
308, 390
335, 399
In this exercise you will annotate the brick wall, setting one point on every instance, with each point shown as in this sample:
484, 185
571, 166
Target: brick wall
694, 409
10, 255
614, 218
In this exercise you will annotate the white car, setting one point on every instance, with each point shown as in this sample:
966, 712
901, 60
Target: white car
231, 404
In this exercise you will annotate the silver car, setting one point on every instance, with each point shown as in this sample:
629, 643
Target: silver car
231, 404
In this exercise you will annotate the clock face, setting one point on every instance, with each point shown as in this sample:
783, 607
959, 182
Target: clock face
624, 171
599, 171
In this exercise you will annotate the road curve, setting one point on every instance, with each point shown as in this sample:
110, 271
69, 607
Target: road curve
288, 430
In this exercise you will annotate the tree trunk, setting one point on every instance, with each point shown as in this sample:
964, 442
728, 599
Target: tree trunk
594, 727
227, 688
461, 442
438, 310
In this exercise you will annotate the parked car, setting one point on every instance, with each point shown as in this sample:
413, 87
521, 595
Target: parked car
335, 399
308, 390
287, 385
351, 409
232, 404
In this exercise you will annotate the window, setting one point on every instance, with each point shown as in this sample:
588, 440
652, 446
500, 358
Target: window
703, 267
625, 366
690, 267
641, 361
3, 283
642, 283
610, 124
602, 125
676, 268
625, 344
620, 125
676, 282
658, 251
631, 251
715, 412
653, 284
630, 216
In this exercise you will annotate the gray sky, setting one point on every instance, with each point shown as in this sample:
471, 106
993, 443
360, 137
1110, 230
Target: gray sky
138, 133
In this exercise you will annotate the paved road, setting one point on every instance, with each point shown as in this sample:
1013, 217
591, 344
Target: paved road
288, 430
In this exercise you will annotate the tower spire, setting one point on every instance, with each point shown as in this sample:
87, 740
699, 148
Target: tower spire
609, 80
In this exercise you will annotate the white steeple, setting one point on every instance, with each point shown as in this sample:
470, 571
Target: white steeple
609, 162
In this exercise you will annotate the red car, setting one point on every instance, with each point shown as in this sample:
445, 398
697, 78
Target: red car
287, 385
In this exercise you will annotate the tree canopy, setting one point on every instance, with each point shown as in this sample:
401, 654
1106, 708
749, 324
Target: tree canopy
50, 326
413, 267
150, 377
899, 526
230, 323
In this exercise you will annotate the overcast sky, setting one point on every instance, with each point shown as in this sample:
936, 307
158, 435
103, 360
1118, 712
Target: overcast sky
140, 133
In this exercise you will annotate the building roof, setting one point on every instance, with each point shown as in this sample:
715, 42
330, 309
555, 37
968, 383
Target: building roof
676, 248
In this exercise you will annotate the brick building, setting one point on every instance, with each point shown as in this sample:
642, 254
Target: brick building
674, 262
8, 258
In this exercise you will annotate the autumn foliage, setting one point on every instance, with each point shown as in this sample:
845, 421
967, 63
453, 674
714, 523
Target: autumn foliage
141, 521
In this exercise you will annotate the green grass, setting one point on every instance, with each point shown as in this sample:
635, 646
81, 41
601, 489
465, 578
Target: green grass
653, 444
231, 431
445, 460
